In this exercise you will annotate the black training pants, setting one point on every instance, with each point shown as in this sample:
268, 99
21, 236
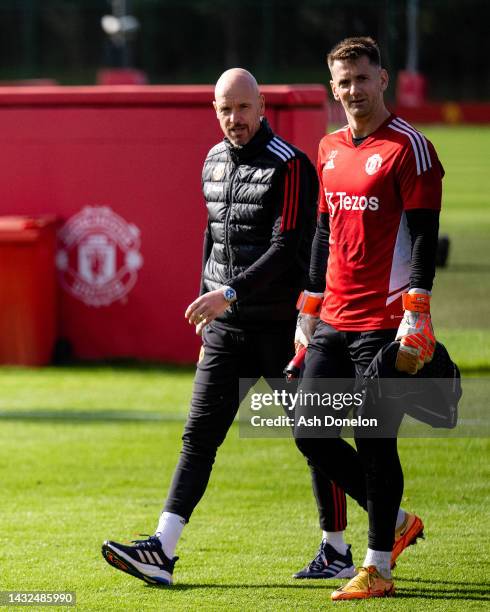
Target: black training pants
372, 474
229, 356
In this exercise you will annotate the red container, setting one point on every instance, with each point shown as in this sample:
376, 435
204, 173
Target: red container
27, 290
121, 166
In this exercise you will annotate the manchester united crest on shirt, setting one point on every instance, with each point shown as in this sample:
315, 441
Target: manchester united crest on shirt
373, 163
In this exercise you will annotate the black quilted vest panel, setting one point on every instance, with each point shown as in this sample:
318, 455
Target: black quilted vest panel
241, 187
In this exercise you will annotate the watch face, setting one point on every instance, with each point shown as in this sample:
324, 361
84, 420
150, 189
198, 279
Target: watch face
229, 294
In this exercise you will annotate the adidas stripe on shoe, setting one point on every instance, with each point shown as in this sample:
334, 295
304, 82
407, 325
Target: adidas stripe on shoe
144, 560
329, 563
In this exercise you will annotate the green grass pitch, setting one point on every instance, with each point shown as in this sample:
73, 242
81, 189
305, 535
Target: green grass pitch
88, 453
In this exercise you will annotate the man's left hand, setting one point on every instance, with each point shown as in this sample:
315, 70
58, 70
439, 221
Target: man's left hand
305, 328
415, 334
206, 308
309, 305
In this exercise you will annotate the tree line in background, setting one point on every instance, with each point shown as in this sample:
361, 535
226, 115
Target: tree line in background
192, 41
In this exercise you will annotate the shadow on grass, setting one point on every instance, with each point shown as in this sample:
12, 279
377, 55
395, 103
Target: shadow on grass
241, 587
464, 591
474, 591
89, 416
485, 585
124, 365
455, 595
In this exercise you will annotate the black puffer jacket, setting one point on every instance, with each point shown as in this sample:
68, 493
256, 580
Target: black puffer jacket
261, 201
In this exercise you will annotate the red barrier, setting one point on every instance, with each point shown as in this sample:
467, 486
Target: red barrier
452, 113
446, 112
121, 167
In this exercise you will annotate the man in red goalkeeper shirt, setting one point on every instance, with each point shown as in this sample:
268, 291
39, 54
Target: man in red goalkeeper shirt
373, 260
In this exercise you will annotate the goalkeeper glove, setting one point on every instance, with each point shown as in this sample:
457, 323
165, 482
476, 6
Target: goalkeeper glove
309, 306
416, 335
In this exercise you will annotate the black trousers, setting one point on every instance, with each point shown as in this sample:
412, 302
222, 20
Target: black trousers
228, 356
372, 474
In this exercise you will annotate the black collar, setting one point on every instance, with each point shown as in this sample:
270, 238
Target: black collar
259, 141
357, 140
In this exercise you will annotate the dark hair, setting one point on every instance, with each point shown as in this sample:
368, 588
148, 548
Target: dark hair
354, 48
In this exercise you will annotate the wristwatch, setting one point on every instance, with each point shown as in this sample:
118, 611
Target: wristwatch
229, 294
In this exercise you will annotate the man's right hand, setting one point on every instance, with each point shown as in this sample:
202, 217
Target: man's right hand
206, 308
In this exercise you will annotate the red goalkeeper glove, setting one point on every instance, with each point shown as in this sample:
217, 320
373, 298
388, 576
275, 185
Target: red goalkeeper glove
416, 335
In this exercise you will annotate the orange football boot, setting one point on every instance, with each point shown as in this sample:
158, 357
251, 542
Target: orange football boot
368, 583
407, 534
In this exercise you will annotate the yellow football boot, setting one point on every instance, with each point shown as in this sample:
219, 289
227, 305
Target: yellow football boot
368, 583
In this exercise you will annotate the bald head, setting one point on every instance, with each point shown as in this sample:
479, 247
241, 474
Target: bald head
238, 105
235, 78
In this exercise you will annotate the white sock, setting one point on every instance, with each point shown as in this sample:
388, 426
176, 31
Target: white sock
400, 517
169, 529
336, 539
381, 559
